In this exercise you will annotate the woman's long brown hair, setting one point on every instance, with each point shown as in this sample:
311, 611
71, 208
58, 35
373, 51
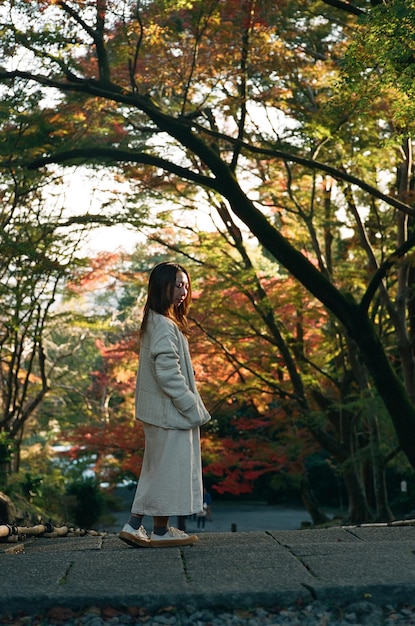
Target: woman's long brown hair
161, 286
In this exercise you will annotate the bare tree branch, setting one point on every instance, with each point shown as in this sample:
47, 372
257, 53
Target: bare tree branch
345, 6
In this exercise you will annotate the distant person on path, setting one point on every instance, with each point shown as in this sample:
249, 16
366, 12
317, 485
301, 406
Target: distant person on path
171, 409
207, 500
201, 517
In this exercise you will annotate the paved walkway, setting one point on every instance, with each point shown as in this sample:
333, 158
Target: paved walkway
232, 570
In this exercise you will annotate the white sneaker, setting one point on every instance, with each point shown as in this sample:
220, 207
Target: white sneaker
136, 538
173, 537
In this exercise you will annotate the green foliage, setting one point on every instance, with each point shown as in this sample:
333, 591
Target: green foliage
85, 503
6, 446
37, 496
6, 450
380, 62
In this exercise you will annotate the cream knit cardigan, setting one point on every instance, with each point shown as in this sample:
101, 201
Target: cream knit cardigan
166, 393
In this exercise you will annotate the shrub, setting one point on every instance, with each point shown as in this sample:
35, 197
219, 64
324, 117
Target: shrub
86, 502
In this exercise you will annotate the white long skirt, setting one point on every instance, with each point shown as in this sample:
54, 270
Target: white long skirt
170, 481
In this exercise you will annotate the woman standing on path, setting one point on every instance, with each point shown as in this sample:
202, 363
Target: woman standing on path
171, 409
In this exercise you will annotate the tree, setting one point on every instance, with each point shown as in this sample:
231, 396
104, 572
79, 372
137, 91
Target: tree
41, 251
36, 256
283, 371
96, 417
259, 373
187, 109
30, 281
380, 62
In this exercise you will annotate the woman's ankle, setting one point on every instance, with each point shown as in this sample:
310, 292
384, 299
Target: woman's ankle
135, 520
160, 525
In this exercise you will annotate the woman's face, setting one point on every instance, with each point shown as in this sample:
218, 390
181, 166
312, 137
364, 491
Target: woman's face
181, 288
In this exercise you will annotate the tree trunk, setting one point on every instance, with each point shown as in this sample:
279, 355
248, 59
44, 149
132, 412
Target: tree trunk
310, 502
377, 472
358, 509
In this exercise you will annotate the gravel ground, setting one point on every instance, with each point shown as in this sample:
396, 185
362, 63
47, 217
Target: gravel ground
313, 614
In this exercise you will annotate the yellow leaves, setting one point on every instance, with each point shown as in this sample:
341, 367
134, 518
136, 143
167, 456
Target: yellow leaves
79, 116
123, 375
154, 34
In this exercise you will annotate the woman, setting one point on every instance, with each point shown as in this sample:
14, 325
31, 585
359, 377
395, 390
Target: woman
171, 409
